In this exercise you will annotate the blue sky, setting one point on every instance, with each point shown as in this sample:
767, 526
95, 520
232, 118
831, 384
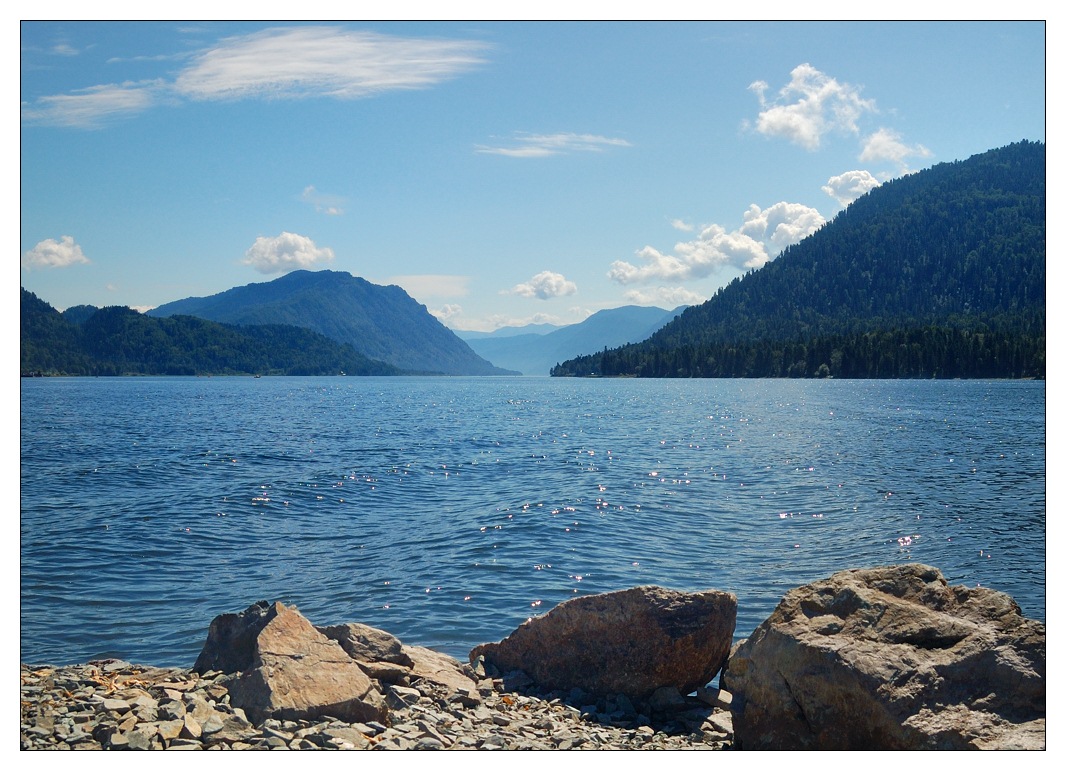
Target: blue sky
501, 173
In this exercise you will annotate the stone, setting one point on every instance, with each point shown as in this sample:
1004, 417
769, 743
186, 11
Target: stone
442, 670
295, 672
890, 658
367, 644
630, 642
231, 638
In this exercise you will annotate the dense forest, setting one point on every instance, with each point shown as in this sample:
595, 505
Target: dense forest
121, 341
939, 274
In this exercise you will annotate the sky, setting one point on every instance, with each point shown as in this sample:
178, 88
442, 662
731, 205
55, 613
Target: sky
501, 173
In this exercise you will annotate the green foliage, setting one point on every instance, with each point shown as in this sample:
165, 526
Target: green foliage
938, 274
120, 341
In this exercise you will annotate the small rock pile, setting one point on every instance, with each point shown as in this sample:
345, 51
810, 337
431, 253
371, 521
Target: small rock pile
116, 705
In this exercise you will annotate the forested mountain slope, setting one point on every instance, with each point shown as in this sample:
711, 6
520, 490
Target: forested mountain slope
381, 322
937, 274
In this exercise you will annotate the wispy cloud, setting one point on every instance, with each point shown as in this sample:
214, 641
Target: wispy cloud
812, 105
544, 286
294, 63
678, 224
54, 254
433, 285
286, 252
850, 185
664, 296
764, 234
541, 145
92, 107
281, 63
324, 203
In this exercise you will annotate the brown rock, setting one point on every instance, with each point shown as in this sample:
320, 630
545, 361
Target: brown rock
367, 644
890, 658
296, 672
629, 642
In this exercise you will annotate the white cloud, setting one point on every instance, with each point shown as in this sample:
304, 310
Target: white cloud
761, 238
850, 185
541, 145
280, 63
886, 145
91, 107
809, 107
447, 311
54, 254
545, 285
285, 252
664, 296
430, 285
297, 62
324, 203
682, 225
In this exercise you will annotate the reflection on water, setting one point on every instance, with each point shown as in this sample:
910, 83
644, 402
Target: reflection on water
448, 510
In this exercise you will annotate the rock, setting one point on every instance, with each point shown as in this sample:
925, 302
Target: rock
890, 658
231, 639
631, 642
295, 672
367, 644
444, 671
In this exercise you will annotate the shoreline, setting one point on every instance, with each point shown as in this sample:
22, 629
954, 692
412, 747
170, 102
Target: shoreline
113, 704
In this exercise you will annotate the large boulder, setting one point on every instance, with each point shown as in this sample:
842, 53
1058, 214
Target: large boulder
288, 669
629, 642
890, 658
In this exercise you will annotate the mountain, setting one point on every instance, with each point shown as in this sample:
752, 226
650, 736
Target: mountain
527, 329
121, 341
380, 322
536, 354
941, 273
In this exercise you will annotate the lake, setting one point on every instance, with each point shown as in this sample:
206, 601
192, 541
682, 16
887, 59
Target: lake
449, 510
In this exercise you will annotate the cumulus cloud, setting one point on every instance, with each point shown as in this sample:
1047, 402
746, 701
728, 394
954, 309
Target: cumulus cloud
324, 203
447, 311
541, 145
544, 286
809, 107
850, 185
763, 235
54, 254
280, 63
285, 252
887, 145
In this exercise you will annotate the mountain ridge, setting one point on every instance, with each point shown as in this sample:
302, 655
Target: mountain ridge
380, 322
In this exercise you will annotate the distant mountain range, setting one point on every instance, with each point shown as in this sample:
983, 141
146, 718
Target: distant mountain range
941, 273
536, 352
380, 322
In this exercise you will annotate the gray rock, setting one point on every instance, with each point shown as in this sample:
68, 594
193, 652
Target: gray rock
890, 658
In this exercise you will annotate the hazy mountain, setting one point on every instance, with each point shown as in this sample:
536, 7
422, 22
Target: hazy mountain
121, 341
527, 329
941, 273
380, 322
536, 354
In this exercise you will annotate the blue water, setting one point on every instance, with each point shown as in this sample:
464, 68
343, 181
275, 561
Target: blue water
449, 510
